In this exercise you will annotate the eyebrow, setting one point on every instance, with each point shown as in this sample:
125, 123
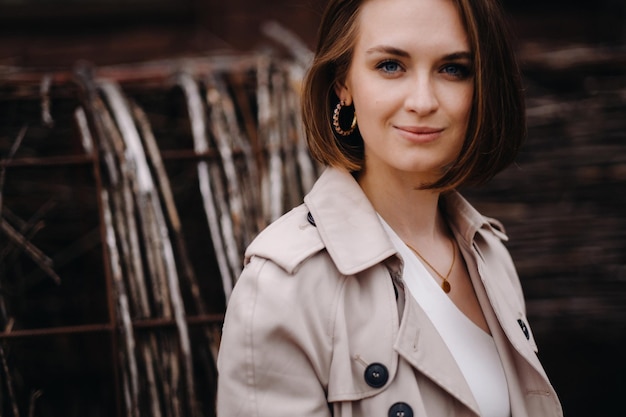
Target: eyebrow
459, 55
387, 50
391, 50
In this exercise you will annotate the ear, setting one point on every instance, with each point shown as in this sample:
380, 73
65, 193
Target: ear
343, 93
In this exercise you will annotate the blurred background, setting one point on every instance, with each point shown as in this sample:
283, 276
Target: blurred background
155, 138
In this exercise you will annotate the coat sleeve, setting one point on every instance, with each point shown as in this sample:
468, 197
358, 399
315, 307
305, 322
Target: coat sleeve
269, 361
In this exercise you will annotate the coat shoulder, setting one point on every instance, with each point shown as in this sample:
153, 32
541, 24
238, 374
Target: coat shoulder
288, 241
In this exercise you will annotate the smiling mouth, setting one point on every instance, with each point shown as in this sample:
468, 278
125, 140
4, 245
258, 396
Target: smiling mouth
420, 130
419, 134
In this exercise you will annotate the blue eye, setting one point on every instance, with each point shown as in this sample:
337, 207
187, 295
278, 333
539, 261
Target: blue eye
389, 67
457, 70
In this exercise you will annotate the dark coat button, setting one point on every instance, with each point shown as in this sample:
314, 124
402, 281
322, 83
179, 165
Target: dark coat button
400, 410
310, 219
376, 375
524, 328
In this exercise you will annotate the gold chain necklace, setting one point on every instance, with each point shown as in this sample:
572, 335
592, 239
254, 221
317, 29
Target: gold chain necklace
445, 285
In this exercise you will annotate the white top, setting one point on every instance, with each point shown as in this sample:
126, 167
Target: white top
474, 350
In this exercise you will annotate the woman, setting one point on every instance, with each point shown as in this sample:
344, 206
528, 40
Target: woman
386, 293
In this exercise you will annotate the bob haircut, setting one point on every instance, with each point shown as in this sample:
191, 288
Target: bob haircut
496, 127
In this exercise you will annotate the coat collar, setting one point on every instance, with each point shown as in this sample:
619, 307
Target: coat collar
350, 229
466, 220
347, 223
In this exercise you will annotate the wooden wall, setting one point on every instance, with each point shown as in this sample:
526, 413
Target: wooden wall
53, 34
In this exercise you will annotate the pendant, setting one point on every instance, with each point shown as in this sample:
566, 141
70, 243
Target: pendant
445, 286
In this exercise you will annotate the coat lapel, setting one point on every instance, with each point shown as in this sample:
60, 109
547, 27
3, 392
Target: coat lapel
420, 344
501, 297
492, 272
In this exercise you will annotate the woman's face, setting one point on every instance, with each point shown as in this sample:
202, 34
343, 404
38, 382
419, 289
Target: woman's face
411, 84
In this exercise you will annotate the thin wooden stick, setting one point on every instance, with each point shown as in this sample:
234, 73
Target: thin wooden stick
287, 144
7, 373
234, 224
276, 178
201, 145
174, 381
112, 151
247, 169
34, 396
46, 117
126, 389
163, 365
226, 224
165, 189
172, 212
151, 379
297, 48
126, 226
43, 261
123, 213
124, 313
146, 190
154, 157
83, 129
108, 140
271, 182
253, 160
28, 229
9, 157
9, 383
122, 177
305, 162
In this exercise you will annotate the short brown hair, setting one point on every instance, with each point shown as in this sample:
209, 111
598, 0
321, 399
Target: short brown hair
496, 127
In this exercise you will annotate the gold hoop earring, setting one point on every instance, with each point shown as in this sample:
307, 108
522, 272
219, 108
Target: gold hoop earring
336, 124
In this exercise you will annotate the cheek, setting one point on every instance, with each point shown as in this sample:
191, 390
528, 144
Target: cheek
366, 104
374, 103
460, 105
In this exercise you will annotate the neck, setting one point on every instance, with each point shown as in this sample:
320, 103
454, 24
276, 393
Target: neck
411, 212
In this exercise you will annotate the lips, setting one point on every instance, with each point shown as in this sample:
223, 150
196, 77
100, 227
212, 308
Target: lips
419, 134
419, 130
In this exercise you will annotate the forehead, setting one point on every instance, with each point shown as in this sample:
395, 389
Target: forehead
411, 24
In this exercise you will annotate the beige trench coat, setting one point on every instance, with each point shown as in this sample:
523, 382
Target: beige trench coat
319, 323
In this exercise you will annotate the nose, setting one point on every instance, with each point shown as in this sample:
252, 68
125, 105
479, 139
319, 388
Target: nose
422, 95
